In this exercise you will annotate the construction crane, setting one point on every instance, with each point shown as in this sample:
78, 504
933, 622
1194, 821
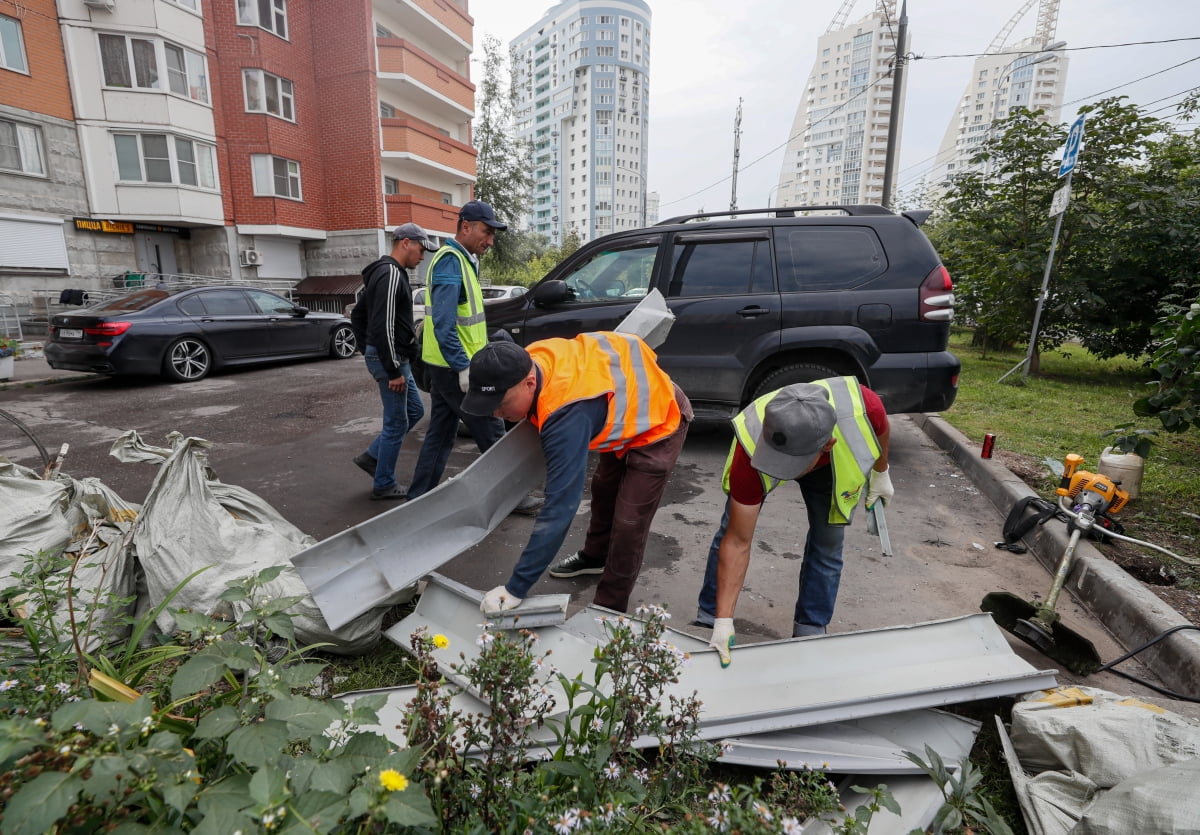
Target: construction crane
886, 7
1047, 24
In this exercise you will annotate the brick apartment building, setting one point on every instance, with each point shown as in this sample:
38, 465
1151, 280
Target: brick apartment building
248, 139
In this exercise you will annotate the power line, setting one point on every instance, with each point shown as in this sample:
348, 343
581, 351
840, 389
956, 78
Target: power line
780, 145
915, 57
1135, 81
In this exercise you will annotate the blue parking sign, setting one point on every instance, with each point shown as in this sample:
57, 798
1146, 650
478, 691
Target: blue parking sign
1071, 154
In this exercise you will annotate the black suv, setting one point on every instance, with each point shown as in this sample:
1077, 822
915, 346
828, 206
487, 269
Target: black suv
764, 298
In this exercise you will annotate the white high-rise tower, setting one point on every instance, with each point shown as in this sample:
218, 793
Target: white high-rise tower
838, 144
582, 82
1009, 76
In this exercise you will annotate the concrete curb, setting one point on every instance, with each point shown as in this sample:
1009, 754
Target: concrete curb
1130, 611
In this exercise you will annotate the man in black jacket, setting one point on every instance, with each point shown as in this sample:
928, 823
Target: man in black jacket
383, 326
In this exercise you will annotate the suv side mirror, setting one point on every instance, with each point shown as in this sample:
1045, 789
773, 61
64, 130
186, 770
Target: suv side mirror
550, 293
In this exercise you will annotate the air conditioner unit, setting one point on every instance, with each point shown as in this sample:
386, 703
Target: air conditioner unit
107, 5
251, 257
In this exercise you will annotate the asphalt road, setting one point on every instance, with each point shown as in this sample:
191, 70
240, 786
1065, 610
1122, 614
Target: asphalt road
288, 433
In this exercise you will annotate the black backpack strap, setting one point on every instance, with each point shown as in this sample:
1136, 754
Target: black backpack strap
1026, 513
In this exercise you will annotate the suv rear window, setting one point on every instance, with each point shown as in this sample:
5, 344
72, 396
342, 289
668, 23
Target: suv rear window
127, 304
827, 257
720, 268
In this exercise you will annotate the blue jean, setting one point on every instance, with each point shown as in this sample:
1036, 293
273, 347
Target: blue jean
821, 569
401, 412
444, 414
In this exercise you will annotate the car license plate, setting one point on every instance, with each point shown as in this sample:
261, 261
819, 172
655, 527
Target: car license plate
70, 333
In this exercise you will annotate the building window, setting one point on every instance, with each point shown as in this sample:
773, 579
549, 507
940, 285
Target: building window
132, 63
386, 111
266, 93
194, 5
391, 185
12, 45
21, 148
276, 176
447, 198
382, 31
265, 14
161, 158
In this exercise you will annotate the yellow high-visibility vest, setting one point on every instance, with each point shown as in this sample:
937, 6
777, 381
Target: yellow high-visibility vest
852, 457
469, 321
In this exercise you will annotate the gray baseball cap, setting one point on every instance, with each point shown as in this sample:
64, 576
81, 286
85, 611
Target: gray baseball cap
413, 233
796, 425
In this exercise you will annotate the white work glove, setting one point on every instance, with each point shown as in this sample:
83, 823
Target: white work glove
464, 379
722, 639
499, 599
879, 486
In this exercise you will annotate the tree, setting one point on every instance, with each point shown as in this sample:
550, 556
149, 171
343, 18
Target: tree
503, 165
1128, 234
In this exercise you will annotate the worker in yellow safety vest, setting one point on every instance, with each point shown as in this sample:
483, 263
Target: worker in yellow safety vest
453, 331
831, 437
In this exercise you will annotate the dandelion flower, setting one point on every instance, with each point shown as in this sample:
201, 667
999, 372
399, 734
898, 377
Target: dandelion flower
441, 641
392, 780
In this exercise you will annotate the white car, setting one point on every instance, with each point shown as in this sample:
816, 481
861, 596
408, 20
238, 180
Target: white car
501, 292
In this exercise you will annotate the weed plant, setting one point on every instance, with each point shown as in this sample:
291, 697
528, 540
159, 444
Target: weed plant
227, 736
1068, 407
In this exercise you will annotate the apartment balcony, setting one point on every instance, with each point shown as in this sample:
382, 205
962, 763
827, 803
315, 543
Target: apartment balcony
441, 22
431, 215
414, 145
407, 72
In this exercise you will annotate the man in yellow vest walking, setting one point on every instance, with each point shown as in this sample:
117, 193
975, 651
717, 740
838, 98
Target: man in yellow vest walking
832, 437
454, 330
602, 392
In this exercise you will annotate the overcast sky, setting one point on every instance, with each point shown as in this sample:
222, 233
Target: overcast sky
703, 58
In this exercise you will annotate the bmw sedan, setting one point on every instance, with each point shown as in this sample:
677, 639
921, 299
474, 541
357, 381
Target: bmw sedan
183, 334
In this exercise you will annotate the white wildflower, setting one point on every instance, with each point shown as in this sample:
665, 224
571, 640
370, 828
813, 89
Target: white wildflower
114, 729
8, 684
63, 688
475, 790
719, 820
791, 826
642, 775
720, 793
612, 771
762, 811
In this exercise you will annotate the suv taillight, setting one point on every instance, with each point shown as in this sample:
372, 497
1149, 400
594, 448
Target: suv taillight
937, 296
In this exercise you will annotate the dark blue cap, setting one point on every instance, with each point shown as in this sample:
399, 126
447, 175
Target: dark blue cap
478, 210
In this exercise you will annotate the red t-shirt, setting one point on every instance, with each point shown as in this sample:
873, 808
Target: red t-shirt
745, 485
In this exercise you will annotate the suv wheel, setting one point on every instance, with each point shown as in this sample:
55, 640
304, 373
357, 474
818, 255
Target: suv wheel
804, 372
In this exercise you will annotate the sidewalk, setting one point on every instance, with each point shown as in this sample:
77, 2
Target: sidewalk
35, 371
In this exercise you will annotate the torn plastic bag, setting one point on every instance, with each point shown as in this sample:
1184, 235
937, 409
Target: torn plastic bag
87, 521
191, 520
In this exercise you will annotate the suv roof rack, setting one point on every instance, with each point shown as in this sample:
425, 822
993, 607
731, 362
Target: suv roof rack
781, 211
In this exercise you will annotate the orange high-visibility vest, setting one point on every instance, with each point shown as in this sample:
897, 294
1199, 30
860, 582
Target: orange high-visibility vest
641, 397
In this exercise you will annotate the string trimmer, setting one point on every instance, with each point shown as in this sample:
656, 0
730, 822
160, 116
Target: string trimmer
1092, 497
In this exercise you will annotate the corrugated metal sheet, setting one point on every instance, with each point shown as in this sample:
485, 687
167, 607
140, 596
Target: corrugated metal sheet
362, 567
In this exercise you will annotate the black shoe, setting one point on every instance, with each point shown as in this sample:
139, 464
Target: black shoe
366, 463
575, 565
530, 505
393, 492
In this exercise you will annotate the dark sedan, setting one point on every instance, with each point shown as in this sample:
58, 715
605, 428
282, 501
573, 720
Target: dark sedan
185, 334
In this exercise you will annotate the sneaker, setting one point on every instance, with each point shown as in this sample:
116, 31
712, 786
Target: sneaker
575, 565
529, 506
366, 463
806, 630
393, 492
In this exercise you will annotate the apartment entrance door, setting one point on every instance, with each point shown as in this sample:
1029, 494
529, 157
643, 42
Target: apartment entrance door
156, 253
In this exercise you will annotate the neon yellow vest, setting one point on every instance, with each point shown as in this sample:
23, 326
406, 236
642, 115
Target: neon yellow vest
852, 456
469, 318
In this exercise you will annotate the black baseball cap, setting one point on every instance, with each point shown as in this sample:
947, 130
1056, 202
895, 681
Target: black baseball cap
412, 232
495, 368
478, 210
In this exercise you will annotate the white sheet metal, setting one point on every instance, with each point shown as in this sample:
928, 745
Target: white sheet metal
871, 745
361, 567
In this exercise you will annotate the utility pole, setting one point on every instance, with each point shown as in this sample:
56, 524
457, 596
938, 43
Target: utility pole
737, 143
889, 164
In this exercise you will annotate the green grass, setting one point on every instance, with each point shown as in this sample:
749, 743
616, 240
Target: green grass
1074, 398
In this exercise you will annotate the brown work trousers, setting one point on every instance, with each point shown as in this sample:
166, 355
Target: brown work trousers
625, 495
